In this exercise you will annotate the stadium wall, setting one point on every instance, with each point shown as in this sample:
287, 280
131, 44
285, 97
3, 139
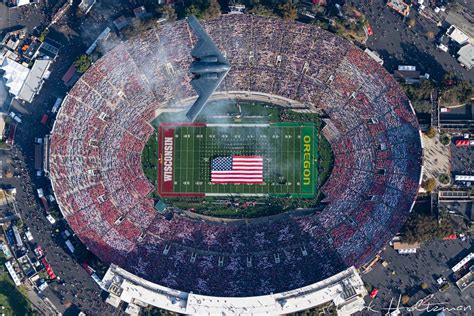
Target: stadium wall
240, 96
345, 290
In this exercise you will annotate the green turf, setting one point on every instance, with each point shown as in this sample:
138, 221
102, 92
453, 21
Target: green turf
12, 299
230, 112
281, 145
150, 158
326, 160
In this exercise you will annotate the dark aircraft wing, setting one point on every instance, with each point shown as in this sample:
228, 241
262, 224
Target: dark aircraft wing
204, 88
205, 46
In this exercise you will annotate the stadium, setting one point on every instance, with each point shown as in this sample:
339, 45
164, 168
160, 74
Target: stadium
105, 123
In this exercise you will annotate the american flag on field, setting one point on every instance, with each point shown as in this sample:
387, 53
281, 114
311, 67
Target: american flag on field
237, 169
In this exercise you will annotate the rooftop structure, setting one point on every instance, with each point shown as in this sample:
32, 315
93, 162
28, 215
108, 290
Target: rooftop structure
13, 274
345, 290
2, 125
103, 126
49, 48
86, 5
15, 75
399, 6
464, 272
457, 35
466, 281
140, 12
374, 56
463, 262
462, 18
34, 80
405, 248
120, 22
7, 195
24, 83
466, 56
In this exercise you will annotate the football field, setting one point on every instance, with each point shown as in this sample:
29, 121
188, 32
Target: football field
289, 152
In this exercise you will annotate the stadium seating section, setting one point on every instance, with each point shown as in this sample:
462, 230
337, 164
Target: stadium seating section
103, 126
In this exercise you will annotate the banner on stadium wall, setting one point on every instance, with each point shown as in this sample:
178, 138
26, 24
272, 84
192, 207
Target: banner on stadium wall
166, 159
308, 164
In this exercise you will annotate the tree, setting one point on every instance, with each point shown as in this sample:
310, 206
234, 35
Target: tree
444, 178
444, 139
193, 10
213, 10
431, 132
43, 35
422, 106
420, 95
168, 12
83, 63
430, 35
424, 285
460, 93
405, 299
261, 10
429, 185
420, 228
288, 11
411, 23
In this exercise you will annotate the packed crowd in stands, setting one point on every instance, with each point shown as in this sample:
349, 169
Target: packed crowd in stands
104, 124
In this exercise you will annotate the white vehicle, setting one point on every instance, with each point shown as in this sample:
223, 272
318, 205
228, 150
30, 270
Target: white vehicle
38, 140
70, 246
40, 193
39, 173
50, 219
443, 47
56, 105
50, 198
43, 286
15, 117
66, 234
28, 235
97, 280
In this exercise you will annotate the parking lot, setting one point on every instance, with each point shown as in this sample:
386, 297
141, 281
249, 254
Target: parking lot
399, 45
405, 273
461, 160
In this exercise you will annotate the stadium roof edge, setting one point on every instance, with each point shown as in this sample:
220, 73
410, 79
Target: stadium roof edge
133, 289
239, 95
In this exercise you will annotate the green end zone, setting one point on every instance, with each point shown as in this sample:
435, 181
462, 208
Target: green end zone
289, 152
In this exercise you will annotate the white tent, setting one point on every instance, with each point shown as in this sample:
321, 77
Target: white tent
15, 75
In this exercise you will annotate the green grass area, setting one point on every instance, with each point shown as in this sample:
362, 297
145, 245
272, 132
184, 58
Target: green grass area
150, 159
220, 207
248, 113
227, 112
325, 160
4, 145
281, 145
12, 299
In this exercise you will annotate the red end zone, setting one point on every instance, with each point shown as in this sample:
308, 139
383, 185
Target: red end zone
166, 159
